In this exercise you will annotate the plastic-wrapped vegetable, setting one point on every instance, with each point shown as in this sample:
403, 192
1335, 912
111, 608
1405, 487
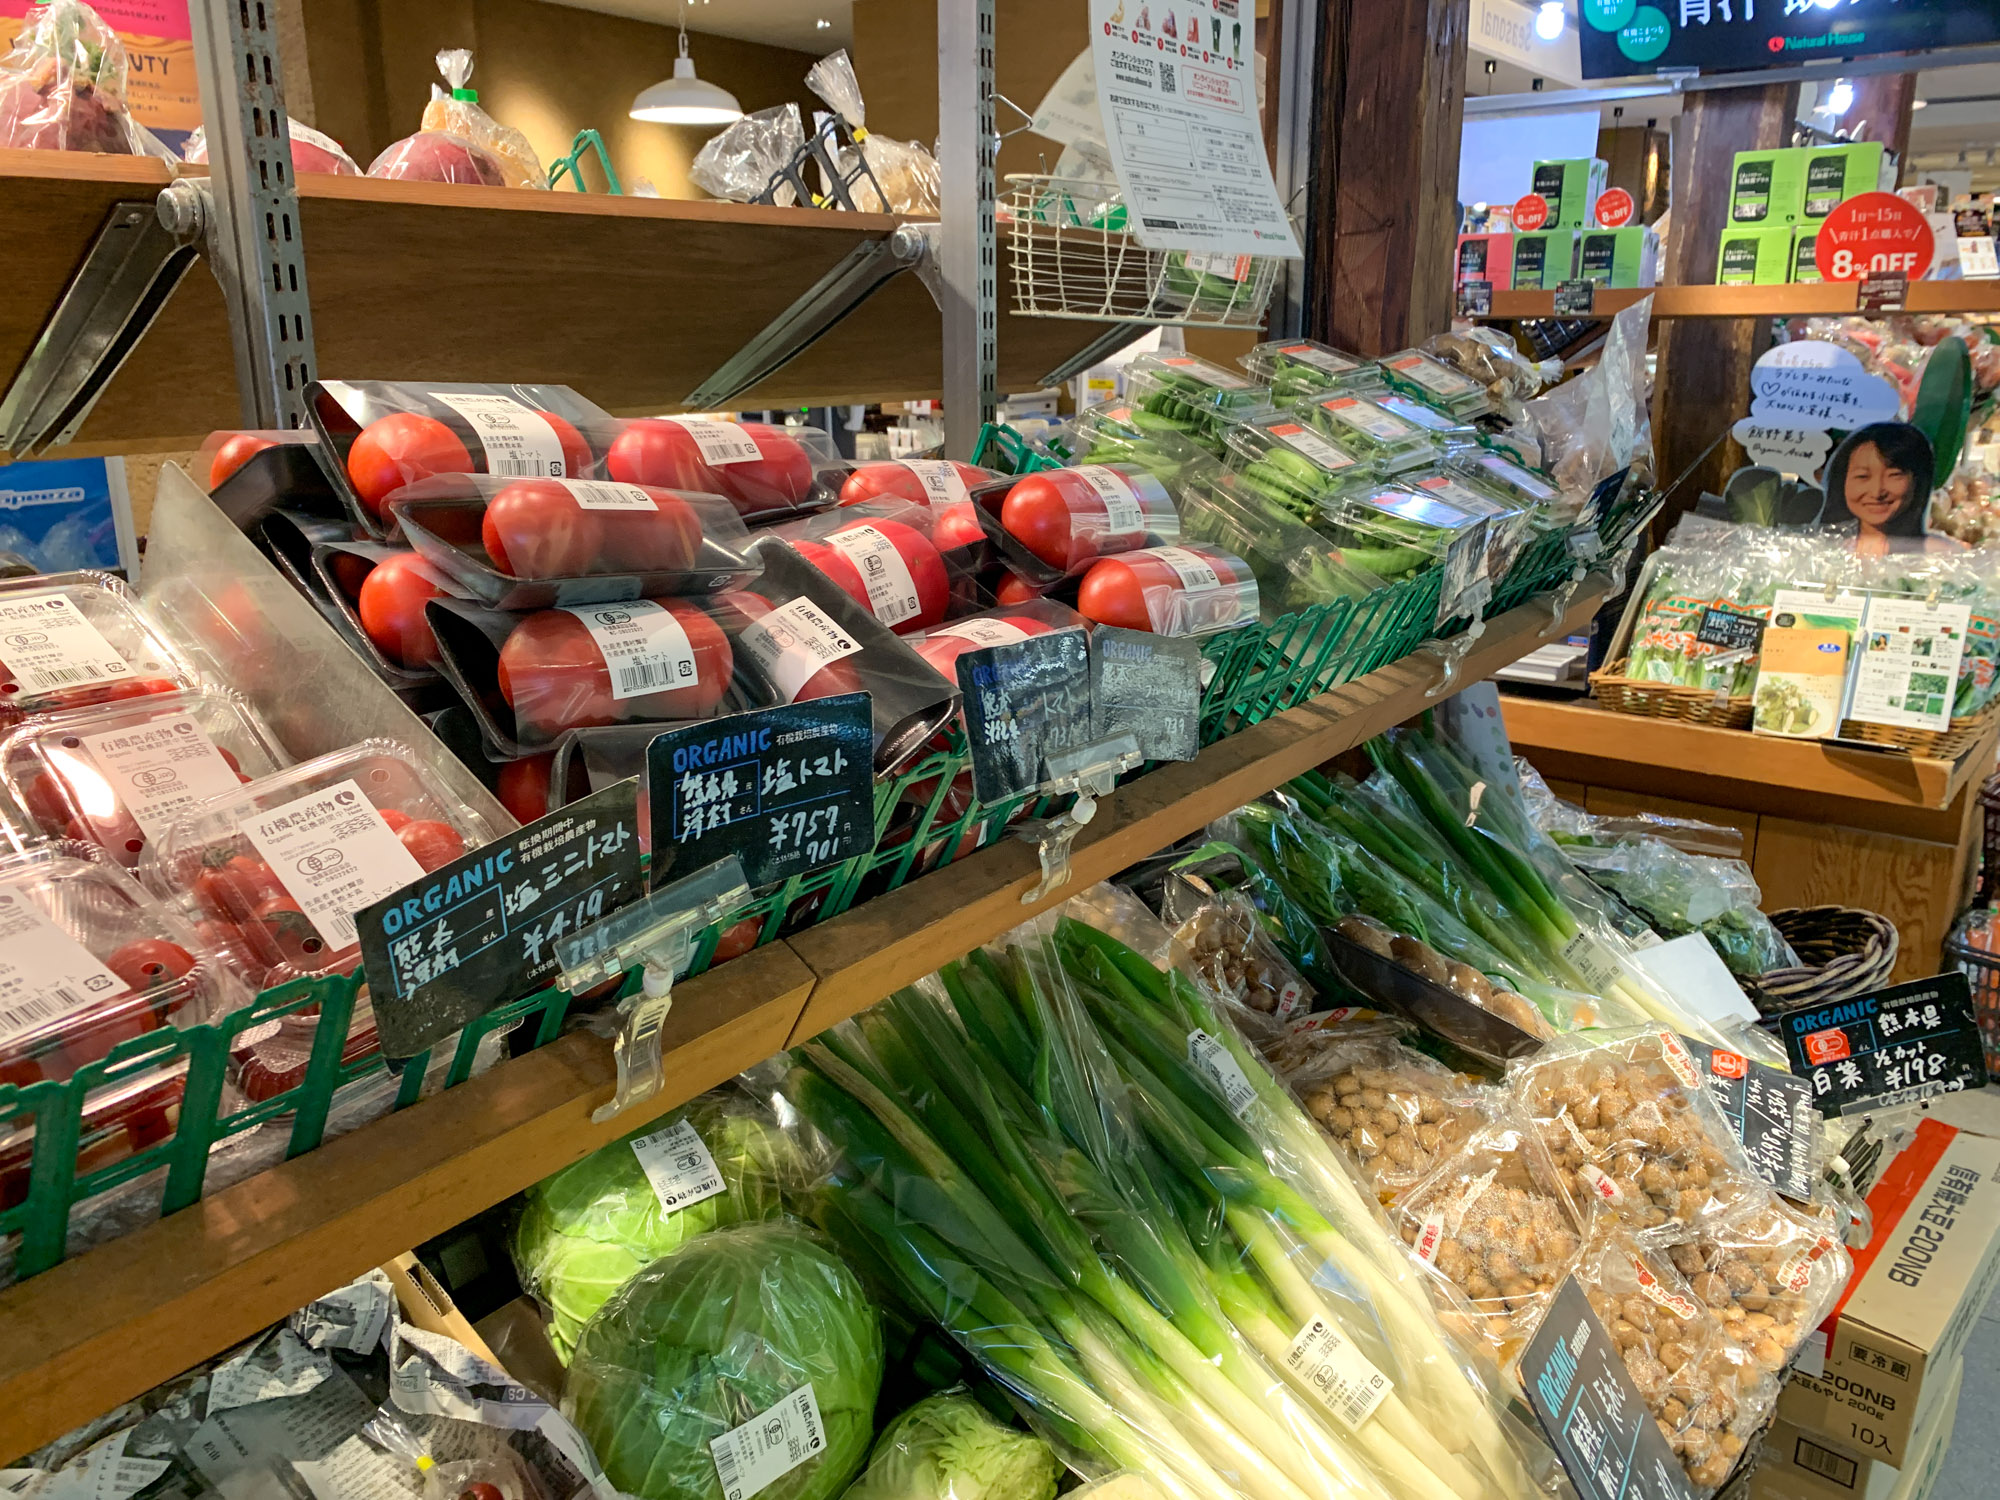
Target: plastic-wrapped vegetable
457, 113
947, 1447
62, 87
1294, 565
311, 152
1364, 429
1397, 532
739, 161
1293, 466
1193, 397
1396, 1113
1224, 938
1297, 368
907, 173
738, 1332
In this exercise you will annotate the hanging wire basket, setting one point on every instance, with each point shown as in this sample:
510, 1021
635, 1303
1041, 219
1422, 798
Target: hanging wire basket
1072, 259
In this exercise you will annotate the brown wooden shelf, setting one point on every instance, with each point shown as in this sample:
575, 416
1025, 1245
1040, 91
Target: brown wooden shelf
633, 301
1824, 299
117, 1320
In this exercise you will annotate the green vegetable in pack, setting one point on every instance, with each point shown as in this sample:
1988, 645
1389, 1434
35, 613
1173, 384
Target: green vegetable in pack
1191, 396
1296, 369
947, 1447
1372, 434
1121, 432
1292, 466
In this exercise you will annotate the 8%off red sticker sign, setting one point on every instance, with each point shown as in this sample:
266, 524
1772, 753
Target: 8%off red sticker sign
1874, 234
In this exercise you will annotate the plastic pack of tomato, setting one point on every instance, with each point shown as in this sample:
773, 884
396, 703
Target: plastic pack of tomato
766, 472
1188, 590
908, 565
943, 484
374, 595
1054, 524
74, 640
88, 959
118, 775
376, 436
533, 543
276, 873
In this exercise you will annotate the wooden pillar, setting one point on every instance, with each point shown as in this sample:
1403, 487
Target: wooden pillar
1881, 111
1384, 196
1637, 159
1704, 363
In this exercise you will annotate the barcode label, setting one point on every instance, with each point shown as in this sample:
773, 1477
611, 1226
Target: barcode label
45, 974
1218, 1065
1319, 359
1123, 514
1304, 440
678, 1165
46, 642
334, 854
1196, 573
792, 643
518, 441
603, 494
1440, 379
981, 632
940, 478
720, 442
892, 592
1225, 267
1824, 1462
753, 1457
1369, 418
1459, 495
643, 645
1339, 1374
157, 769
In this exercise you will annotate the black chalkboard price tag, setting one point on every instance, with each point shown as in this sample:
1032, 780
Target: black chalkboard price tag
1772, 1112
1023, 700
787, 790
1576, 1380
1576, 299
481, 931
1729, 631
1909, 1042
1148, 686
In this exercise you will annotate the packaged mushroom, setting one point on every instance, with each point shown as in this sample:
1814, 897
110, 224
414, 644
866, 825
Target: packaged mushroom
1225, 941
1490, 1223
1632, 1132
1395, 1112
1769, 1275
1461, 979
1708, 1398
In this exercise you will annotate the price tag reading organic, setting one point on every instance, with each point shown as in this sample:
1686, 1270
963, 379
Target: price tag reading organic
787, 790
1909, 1042
1022, 701
481, 931
1772, 1112
1148, 685
1606, 1439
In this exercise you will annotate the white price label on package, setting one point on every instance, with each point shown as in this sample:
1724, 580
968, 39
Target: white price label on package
1196, 573
678, 1165
892, 592
1369, 418
518, 441
1304, 440
1122, 510
1338, 1373
605, 494
334, 854
720, 442
753, 1457
792, 643
157, 769
942, 482
47, 644
45, 974
980, 632
1219, 1065
643, 645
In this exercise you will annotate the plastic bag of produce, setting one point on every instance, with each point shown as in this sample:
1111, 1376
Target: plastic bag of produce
1229, 950
311, 151
947, 1447
62, 87
458, 113
906, 172
1600, 422
681, 1379
1397, 1113
738, 162
584, 1232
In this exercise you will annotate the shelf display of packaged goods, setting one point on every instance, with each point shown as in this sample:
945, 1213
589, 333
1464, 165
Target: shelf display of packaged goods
110, 1323
1822, 299
564, 285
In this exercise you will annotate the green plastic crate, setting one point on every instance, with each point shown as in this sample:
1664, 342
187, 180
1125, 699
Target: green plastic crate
1005, 451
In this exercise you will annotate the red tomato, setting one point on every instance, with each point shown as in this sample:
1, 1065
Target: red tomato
391, 607
431, 843
957, 526
554, 676
149, 963
664, 540
898, 481
396, 818
284, 937
1115, 591
524, 786
232, 889
737, 939
236, 450
655, 451
944, 646
660, 454
776, 482
479, 1489
739, 610
1059, 516
350, 572
859, 559
575, 451
534, 528
400, 449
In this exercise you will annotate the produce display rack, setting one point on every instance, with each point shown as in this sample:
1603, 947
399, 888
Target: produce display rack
115, 1321
1824, 299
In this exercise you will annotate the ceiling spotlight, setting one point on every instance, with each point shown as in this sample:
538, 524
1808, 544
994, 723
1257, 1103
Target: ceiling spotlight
1549, 21
1839, 98
822, 24
1920, 104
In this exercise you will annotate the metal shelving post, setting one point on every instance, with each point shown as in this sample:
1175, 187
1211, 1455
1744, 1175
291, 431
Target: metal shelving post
967, 261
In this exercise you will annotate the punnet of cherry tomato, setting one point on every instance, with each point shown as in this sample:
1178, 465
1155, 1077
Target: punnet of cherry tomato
75, 640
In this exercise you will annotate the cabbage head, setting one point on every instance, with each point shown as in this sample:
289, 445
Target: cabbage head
588, 1229
710, 1338
948, 1448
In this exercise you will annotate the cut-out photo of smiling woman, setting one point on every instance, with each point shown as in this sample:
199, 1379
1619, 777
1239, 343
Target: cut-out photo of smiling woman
1878, 491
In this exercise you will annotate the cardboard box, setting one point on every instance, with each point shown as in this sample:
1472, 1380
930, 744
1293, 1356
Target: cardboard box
1544, 260
1795, 1463
1917, 1291
1572, 188
1833, 173
1625, 257
1767, 187
1804, 268
1486, 257
1761, 256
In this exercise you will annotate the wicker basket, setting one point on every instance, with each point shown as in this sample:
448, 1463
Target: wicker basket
1666, 700
1843, 951
1932, 744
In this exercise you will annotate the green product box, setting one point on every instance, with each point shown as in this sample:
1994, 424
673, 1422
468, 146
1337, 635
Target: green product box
1767, 187
1834, 173
1572, 188
1624, 257
1544, 260
1804, 267
1760, 256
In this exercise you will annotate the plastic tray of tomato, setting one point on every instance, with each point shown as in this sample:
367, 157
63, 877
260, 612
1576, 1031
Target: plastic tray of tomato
909, 566
118, 775
374, 595
88, 959
74, 640
1054, 524
535, 543
768, 473
1192, 589
276, 872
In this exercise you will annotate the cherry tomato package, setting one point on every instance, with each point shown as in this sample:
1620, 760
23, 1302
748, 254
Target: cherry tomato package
74, 640
1056, 523
885, 556
534, 543
768, 473
118, 775
276, 872
1192, 590
376, 436
530, 677
88, 959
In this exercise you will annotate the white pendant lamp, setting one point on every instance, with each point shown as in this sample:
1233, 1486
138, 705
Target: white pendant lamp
684, 99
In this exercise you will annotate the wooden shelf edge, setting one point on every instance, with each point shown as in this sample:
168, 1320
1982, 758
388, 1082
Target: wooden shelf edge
138, 172
107, 1325
1821, 299
881, 945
